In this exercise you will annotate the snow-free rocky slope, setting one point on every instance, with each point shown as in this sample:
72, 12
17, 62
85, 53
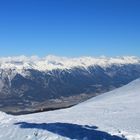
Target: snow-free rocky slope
110, 116
30, 84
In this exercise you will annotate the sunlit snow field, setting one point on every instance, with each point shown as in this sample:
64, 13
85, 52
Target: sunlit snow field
112, 116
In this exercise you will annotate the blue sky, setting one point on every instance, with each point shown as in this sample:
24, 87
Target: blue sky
70, 27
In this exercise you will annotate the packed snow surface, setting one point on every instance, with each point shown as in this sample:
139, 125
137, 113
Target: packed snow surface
54, 62
109, 116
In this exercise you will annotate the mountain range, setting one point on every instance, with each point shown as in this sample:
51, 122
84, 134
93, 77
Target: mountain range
33, 84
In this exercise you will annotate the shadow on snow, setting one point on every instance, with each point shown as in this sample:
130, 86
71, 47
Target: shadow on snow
72, 131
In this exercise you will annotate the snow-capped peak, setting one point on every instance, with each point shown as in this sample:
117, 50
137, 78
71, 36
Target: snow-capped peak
54, 62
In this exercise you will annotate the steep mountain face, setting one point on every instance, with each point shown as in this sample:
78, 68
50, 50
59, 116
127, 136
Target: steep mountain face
31, 84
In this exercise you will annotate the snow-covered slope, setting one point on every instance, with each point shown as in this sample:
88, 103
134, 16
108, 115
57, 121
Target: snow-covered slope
105, 117
53, 62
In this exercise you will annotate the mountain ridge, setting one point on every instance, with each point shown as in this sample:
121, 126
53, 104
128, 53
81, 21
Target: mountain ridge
51, 62
29, 89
